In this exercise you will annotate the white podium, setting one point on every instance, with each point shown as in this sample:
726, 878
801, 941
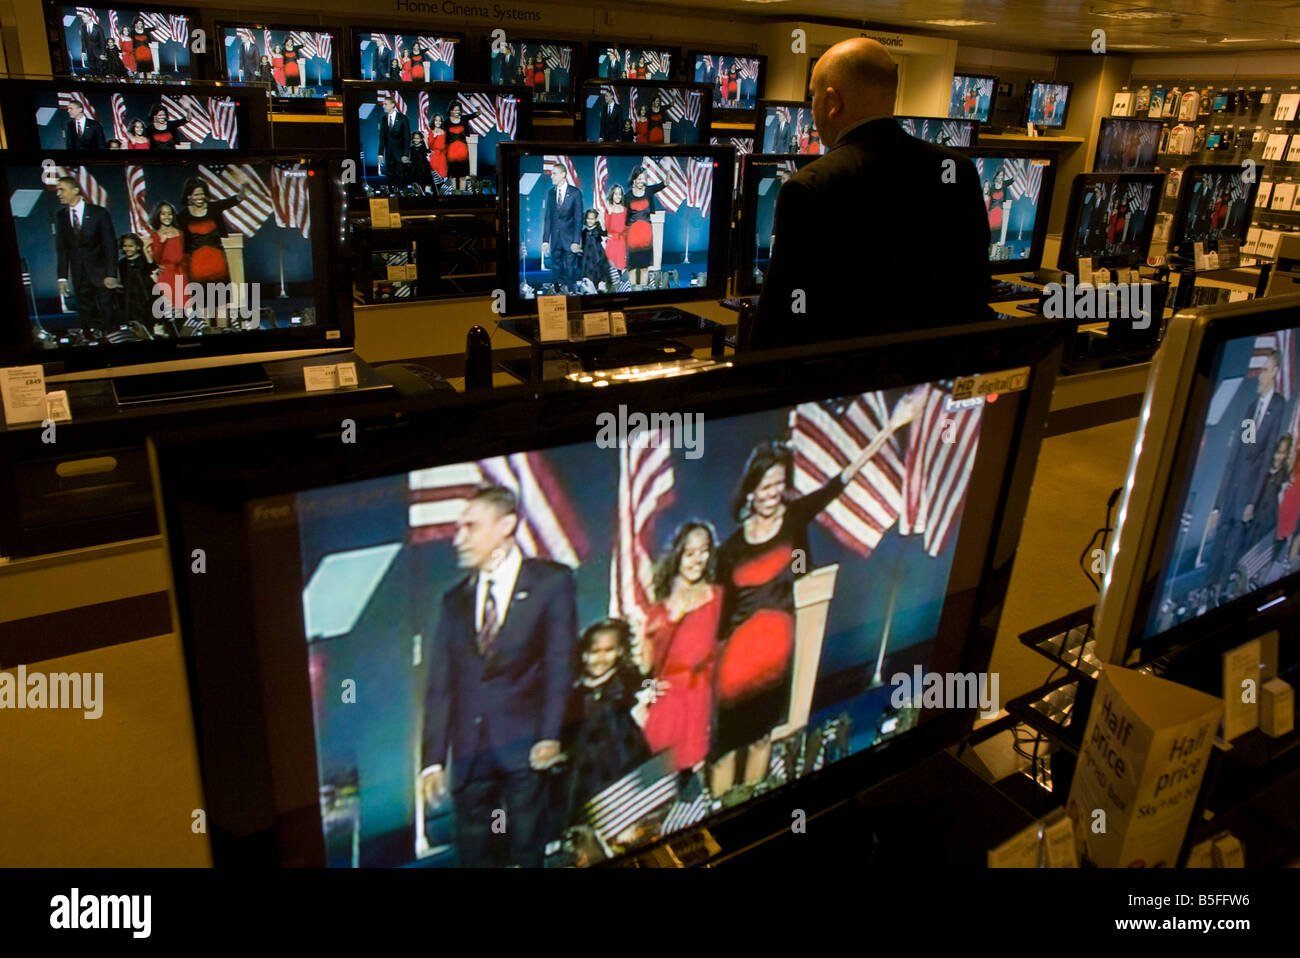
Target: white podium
668, 131
812, 599
1006, 220
234, 249
471, 143
657, 229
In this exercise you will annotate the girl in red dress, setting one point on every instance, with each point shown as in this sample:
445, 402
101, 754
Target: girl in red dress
815, 142
681, 635
405, 60
755, 661
167, 250
640, 234
137, 136
539, 74
292, 67
805, 140
417, 62
642, 125
528, 73
277, 66
616, 228
458, 146
656, 121
437, 145
141, 37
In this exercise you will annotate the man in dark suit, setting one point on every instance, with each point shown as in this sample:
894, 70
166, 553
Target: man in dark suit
94, 48
87, 253
1252, 438
611, 119
82, 133
885, 232
562, 215
249, 58
394, 142
500, 670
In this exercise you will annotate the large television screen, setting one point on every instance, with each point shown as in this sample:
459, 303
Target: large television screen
547, 67
736, 80
395, 57
1111, 218
123, 258
763, 178
1127, 145
940, 131
633, 111
142, 43
1214, 203
616, 221
972, 97
632, 62
1017, 191
787, 127
293, 62
436, 141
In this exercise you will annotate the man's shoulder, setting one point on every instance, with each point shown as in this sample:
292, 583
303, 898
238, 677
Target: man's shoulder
545, 571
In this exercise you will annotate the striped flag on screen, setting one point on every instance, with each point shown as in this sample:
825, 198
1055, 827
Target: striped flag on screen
291, 198
940, 455
684, 814
666, 171
224, 125
324, 45
600, 188
645, 486
699, 184
550, 159
179, 28
825, 437
246, 217
136, 201
245, 35
1139, 196
161, 25
483, 105
88, 11
507, 114
747, 68
90, 188
1026, 179
396, 98
548, 525
743, 144
556, 56
1283, 340
423, 118
268, 44
198, 125
657, 62
119, 118
442, 51
633, 797
682, 105
306, 42
66, 98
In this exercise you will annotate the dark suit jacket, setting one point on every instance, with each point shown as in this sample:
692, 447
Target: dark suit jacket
91, 256
878, 242
515, 696
611, 122
562, 222
93, 44
92, 135
1248, 462
249, 59
394, 141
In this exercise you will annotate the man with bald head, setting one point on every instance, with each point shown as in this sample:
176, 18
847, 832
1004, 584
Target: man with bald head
885, 232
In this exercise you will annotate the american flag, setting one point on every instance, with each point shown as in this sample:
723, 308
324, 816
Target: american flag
612, 89
556, 56
246, 217
548, 526
66, 98
292, 199
940, 455
633, 797
665, 170
1026, 179
699, 184
825, 437
442, 51
224, 125
645, 485
119, 118
1139, 195
743, 144
507, 115
631, 102
161, 25
747, 68
179, 28
550, 159
483, 105
198, 125
88, 11
1283, 340
245, 35
600, 188
708, 64
382, 41
657, 62
627, 62
95, 194
395, 96
685, 813
306, 42
324, 45
958, 134
268, 44
424, 116
683, 105
136, 201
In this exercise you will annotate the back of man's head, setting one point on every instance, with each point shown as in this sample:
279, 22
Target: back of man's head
852, 80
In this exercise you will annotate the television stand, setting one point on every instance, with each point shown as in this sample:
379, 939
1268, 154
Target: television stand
190, 384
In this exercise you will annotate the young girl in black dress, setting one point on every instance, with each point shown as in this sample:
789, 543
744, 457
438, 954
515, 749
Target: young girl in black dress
421, 171
595, 266
601, 738
136, 274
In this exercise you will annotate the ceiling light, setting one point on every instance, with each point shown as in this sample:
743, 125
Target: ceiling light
957, 23
1131, 15
1134, 46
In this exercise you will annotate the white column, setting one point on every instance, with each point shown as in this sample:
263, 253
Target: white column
471, 143
234, 248
657, 228
812, 599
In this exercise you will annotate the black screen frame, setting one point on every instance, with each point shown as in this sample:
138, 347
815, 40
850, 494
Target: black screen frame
334, 328
354, 48
587, 85
577, 75
760, 120
287, 104
993, 97
259, 772
1119, 121
1068, 260
1035, 257
1029, 92
61, 58
721, 113
746, 241
596, 48
1179, 222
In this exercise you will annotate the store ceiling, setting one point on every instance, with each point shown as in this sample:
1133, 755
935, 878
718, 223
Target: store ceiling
1181, 26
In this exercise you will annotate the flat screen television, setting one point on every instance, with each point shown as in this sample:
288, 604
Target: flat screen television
352, 568
1017, 187
764, 173
141, 43
951, 133
1046, 103
124, 259
1110, 218
631, 60
736, 79
548, 67
664, 242
298, 62
389, 55
972, 97
742, 146
642, 111
786, 126
1127, 145
62, 115
1206, 540
459, 124
1214, 203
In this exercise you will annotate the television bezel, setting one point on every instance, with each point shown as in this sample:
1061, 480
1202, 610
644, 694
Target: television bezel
1067, 260
1118, 120
723, 113
746, 241
354, 49
1184, 196
287, 104
577, 74
580, 103
61, 58
595, 47
333, 330
760, 121
993, 97
1029, 92
1034, 260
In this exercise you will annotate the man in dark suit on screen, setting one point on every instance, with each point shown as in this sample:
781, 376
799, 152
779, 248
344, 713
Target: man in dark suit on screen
1255, 426
81, 132
501, 666
394, 142
87, 253
94, 47
885, 232
562, 216
611, 119
249, 58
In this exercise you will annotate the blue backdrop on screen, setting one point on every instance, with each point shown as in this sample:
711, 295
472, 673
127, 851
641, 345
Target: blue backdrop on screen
971, 98
1047, 103
212, 123
633, 63
734, 80
1012, 210
386, 648
292, 62
406, 57
637, 119
126, 44
790, 129
545, 68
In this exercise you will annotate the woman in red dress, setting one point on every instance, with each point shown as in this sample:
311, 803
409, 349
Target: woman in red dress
528, 73
277, 66
815, 142
203, 226
292, 67
656, 121
405, 60
167, 250
437, 145
616, 228
417, 62
733, 84
458, 146
681, 635
640, 234
754, 672
1115, 225
642, 125
805, 139
539, 74
141, 37
993, 202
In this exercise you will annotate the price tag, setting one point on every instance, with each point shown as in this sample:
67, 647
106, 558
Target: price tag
618, 323
22, 389
595, 324
1200, 256
1229, 252
332, 376
397, 272
57, 408
395, 221
411, 271
552, 318
379, 213
1085, 270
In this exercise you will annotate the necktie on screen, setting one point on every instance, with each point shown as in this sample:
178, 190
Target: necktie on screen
488, 630
76, 220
